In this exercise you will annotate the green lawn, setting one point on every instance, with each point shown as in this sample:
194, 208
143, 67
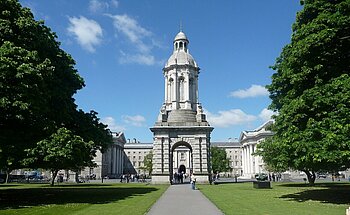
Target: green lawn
282, 199
78, 198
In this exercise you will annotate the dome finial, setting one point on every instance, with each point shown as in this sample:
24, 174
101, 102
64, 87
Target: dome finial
180, 25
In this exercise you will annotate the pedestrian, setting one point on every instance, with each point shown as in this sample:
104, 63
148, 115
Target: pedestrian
193, 181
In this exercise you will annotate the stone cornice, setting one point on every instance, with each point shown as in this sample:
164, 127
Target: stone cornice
176, 66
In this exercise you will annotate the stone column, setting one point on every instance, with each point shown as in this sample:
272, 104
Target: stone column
119, 162
187, 91
196, 156
195, 82
243, 160
251, 160
176, 92
166, 152
114, 159
166, 94
248, 161
157, 156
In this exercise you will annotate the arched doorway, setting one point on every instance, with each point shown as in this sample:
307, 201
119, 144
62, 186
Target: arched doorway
182, 169
181, 162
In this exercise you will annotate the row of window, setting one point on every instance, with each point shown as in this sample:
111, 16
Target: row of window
134, 157
145, 152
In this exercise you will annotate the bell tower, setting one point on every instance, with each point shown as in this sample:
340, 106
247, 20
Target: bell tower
181, 121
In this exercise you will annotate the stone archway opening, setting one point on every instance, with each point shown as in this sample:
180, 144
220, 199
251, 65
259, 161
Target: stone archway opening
181, 163
182, 169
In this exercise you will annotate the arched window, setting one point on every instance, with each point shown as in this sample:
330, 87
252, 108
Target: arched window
170, 89
181, 45
182, 88
191, 90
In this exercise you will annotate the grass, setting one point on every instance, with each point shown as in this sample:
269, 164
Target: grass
283, 198
79, 198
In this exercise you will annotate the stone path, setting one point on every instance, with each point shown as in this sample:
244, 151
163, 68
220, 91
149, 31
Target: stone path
180, 199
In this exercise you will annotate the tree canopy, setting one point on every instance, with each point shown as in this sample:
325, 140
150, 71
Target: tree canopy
37, 84
219, 160
147, 163
310, 90
62, 150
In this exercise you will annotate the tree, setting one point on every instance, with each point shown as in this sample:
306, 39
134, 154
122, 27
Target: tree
37, 81
62, 150
37, 84
310, 90
220, 162
147, 163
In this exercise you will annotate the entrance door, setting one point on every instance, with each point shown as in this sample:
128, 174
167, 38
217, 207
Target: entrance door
182, 169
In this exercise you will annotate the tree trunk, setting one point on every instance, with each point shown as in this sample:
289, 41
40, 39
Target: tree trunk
7, 176
76, 177
54, 174
311, 177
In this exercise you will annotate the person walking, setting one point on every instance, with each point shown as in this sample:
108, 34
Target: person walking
193, 181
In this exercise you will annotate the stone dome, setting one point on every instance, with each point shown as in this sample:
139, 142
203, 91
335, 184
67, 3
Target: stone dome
181, 58
181, 55
180, 36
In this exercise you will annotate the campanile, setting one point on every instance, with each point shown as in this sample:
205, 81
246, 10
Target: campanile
181, 122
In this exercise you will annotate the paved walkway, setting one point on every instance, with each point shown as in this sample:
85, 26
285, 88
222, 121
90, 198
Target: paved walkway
180, 199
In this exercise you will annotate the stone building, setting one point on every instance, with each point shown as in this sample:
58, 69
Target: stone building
249, 140
181, 122
234, 154
110, 163
134, 156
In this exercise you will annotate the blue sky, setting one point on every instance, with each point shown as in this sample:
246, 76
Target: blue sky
121, 46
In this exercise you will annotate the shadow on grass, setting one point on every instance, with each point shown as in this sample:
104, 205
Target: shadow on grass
329, 185
9, 185
337, 193
27, 197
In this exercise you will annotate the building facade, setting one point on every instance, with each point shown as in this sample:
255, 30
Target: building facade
233, 151
109, 164
134, 156
249, 140
181, 122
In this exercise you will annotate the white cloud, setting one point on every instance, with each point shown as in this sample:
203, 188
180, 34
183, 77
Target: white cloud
141, 39
115, 3
136, 120
98, 6
253, 91
133, 31
112, 125
144, 59
87, 32
224, 119
266, 114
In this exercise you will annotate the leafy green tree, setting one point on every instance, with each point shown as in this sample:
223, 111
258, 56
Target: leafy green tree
310, 90
147, 163
37, 84
219, 160
62, 150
